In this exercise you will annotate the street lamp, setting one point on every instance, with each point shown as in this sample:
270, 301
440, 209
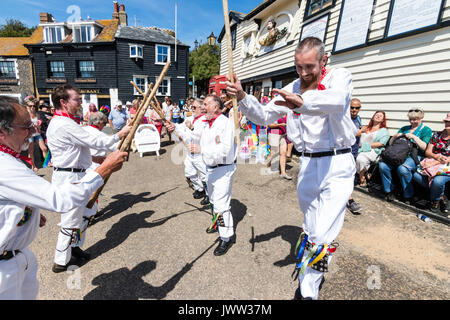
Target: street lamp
211, 39
196, 44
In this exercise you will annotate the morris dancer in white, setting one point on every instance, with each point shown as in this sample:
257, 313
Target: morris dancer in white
70, 146
319, 124
218, 149
23, 194
194, 166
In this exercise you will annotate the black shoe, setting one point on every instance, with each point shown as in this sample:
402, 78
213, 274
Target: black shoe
59, 268
223, 246
409, 201
198, 195
434, 207
80, 254
389, 197
212, 230
205, 201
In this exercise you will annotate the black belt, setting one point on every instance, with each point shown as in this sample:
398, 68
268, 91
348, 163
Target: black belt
6, 255
223, 165
326, 153
69, 169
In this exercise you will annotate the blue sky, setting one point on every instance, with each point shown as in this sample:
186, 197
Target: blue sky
196, 18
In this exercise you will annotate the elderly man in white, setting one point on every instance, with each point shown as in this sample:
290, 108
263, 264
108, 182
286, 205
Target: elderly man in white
319, 124
23, 194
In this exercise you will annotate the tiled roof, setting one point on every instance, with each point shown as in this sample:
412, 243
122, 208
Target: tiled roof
108, 32
14, 46
146, 34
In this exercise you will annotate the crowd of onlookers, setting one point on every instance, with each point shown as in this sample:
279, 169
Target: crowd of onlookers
425, 171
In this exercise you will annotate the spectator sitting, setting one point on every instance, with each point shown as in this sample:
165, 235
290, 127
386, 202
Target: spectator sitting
438, 150
374, 137
118, 117
420, 135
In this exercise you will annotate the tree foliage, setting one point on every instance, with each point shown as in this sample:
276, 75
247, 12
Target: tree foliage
204, 63
15, 28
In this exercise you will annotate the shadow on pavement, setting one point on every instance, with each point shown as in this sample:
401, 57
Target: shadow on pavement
120, 231
238, 210
125, 284
287, 233
123, 202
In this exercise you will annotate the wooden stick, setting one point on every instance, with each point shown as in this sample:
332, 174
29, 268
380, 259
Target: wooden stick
230, 68
136, 122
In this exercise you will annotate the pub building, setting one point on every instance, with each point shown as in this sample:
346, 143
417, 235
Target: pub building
101, 57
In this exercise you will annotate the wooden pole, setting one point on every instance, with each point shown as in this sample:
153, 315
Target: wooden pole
230, 68
136, 122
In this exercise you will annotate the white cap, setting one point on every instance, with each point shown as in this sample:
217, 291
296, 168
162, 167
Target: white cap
118, 103
128, 103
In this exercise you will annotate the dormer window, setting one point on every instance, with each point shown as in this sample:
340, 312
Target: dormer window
83, 33
53, 34
136, 51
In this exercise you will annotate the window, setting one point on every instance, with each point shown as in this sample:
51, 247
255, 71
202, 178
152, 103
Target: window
56, 69
82, 34
136, 51
86, 69
313, 7
233, 38
141, 82
164, 88
8, 69
162, 54
53, 34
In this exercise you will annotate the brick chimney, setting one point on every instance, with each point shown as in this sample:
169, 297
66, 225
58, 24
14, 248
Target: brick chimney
123, 18
116, 10
46, 17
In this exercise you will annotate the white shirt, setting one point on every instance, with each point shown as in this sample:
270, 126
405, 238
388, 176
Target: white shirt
217, 142
325, 121
70, 144
20, 187
191, 136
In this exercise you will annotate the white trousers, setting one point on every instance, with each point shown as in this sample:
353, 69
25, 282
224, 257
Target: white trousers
18, 277
219, 183
195, 170
72, 219
324, 186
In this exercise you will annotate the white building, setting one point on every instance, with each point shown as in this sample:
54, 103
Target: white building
397, 51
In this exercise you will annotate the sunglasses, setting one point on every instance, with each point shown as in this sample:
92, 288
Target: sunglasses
415, 110
355, 108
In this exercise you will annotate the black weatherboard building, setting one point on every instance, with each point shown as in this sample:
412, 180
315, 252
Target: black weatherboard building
142, 54
101, 57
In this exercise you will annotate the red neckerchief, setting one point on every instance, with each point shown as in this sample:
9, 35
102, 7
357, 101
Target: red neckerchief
15, 154
94, 126
197, 117
320, 86
67, 115
210, 122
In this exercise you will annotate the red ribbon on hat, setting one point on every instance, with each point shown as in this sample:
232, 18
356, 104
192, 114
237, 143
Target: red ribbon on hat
15, 154
59, 113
